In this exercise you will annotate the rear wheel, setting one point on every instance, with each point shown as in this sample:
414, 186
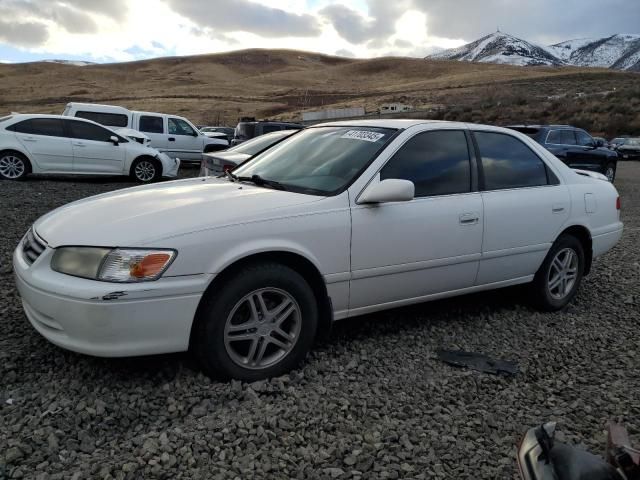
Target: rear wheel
610, 172
260, 323
146, 170
557, 281
14, 166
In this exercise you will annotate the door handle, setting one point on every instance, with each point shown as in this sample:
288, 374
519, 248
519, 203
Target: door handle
557, 208
171, 139
79, 144
469, 218
29, 139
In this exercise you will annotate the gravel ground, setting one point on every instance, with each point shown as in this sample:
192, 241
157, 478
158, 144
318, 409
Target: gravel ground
371, 402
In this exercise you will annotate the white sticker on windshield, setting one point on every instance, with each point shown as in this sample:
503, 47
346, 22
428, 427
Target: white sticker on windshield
363, 135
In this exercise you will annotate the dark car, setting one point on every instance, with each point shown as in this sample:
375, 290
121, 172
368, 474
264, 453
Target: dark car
630, 149
616, 142
246, 130
575, 147
219, 162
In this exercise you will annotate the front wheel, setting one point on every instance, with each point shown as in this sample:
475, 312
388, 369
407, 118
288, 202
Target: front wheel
260, 323
146, 170
556, 282
610, 172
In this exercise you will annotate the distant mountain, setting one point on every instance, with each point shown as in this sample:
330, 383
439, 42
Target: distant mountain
503, 48
621, 52
77, 63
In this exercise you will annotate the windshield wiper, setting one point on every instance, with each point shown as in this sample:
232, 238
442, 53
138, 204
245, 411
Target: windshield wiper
230, 175
261, 182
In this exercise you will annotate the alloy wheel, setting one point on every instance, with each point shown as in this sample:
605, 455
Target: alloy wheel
262, 328
145, 171
563, 273
12, 167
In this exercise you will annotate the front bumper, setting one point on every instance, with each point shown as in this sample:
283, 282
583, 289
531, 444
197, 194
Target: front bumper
170, 165
107, 319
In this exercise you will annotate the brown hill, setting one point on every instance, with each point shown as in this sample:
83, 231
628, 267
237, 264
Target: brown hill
219, 88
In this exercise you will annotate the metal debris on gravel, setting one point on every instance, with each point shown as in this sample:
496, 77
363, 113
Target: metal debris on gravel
371, 402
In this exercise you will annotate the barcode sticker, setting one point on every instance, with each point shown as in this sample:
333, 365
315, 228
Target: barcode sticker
363, 135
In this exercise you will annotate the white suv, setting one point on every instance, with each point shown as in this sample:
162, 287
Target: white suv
58, 144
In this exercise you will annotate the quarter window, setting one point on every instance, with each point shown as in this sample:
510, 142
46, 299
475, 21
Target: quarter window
108, 119
151, 124
180, 127
89, 131
436, 162
509, 163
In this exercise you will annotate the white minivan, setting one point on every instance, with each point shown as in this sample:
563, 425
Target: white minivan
176, 136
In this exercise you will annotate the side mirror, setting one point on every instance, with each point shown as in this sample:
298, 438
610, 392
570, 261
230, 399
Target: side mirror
114, 140
390, 190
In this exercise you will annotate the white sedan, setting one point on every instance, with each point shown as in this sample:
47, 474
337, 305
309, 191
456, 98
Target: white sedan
336, 221
64, 145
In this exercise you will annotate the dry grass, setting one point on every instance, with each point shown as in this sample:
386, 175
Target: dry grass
280, 83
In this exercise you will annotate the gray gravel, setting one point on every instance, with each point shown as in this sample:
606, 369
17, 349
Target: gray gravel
371, 402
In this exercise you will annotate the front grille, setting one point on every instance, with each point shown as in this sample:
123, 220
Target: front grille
32, 247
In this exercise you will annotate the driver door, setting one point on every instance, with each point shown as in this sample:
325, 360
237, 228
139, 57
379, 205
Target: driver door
184, 141
403, 252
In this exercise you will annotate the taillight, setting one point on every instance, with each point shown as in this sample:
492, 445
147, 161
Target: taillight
618, 204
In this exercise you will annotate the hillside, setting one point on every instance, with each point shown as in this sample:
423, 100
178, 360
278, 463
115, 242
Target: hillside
220, 88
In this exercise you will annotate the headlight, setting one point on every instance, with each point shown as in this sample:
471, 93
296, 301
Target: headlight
120, 265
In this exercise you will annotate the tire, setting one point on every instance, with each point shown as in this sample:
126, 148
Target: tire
226, 315
610, 172
566, 257
14, 166
146, 170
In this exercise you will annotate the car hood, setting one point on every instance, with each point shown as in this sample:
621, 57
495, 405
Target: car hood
142, 215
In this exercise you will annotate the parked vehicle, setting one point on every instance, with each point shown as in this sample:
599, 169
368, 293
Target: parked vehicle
630, 149
575, 147
176, 136
338, 220
228, 131
247, 130
601, 142
616, 142
58, 144
219, 162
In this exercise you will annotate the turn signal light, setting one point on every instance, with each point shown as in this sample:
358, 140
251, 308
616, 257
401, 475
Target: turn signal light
149, 266
618, 204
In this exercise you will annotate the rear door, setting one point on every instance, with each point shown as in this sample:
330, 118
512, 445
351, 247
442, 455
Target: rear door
525, 208
45, 141
93, 150
184, 141
155, 127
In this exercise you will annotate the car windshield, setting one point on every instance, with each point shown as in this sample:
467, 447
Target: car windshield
253, 146
319, 160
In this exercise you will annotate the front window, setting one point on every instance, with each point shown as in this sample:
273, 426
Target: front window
321, 160
584, 139
178, 126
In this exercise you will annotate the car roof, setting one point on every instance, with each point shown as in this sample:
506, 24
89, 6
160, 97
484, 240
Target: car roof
381, 123
26, 116
541, 126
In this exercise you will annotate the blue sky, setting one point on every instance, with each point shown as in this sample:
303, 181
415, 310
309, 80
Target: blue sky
123, 30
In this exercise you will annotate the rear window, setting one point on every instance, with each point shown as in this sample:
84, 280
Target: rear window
108, 119
245, 130
151, 124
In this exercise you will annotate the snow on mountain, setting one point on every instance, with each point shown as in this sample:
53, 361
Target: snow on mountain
500, 47
77, 63
620, 52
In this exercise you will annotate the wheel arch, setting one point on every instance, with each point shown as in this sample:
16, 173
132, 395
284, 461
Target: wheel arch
583, 234
293, 260
30, 162
157, 162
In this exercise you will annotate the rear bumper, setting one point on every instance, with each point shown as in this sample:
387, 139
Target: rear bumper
605, 241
